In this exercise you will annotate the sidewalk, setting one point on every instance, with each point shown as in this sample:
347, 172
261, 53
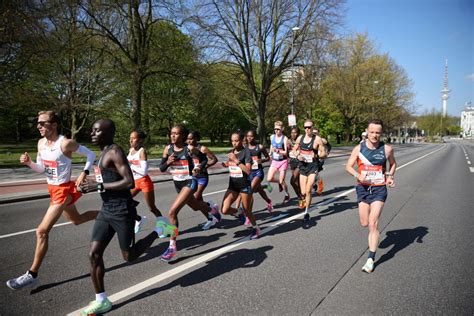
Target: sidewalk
23, 184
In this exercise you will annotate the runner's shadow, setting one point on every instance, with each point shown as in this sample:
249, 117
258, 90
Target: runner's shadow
337, 189
227, 262
400, 239
152, 253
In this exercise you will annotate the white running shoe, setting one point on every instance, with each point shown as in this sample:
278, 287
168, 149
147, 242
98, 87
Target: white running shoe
210, 223
368, 266
139, 224
25, 280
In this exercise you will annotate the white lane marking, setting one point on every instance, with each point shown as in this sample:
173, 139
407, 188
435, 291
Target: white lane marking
30, 231
186, 266
468, 162
471, 169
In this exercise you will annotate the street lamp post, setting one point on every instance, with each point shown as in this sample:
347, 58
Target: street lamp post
294, 30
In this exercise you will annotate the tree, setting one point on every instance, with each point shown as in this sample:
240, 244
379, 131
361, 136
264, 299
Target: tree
256, 37
362, 84
128, 27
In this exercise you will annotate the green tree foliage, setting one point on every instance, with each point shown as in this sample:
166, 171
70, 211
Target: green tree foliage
434, 124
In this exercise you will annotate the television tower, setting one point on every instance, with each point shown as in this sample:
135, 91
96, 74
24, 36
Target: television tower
445, 92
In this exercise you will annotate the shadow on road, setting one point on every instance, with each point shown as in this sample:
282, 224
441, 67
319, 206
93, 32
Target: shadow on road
400, 239
242, 258
152, 253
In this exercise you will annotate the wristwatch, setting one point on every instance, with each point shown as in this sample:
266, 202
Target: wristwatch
100, 187
86, 172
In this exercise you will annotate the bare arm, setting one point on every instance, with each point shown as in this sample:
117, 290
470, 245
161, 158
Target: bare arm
392, 165
322, 153
212, 159
265, 153
352, 161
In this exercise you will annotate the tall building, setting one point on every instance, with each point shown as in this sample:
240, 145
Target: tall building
445, 92
467, 121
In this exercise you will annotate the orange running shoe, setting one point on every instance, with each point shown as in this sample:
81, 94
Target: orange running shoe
320, 189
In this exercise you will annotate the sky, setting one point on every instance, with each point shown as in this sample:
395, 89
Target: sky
420, 35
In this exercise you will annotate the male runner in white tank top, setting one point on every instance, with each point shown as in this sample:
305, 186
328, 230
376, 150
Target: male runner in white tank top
54, 159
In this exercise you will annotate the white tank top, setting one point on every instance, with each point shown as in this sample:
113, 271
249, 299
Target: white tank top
57, 166
134, 161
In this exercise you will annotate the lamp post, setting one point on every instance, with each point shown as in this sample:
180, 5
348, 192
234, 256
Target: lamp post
375, 84
294, 30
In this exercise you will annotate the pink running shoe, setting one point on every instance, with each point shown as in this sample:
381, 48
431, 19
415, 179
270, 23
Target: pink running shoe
169, 254
247, 221
270, 206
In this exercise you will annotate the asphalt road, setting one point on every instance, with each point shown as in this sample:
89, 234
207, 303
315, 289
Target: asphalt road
423, 265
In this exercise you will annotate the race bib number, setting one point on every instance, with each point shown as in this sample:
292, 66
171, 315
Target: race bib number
277, 156
372, 175
98, 175
235, 171
51, 168
307, 155
254, 163
180, 170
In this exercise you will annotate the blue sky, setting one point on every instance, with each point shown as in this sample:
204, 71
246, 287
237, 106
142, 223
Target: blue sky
419, 35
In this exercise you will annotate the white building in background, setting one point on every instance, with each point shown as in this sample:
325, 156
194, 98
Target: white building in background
445, 92
467, 121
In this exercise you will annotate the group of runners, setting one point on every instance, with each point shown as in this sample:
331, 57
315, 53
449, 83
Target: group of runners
120, 177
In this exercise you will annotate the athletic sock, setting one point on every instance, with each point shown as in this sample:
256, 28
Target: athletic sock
371, 255
173, 243
101, 297
33, 274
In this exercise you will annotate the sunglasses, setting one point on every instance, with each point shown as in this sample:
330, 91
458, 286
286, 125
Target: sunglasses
43, 123
307, 127
277, 129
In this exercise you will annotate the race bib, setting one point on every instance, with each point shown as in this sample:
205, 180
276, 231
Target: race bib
235, 171
372, 175
180, 170
51, 168
277, 156
254, 162
307, 155
292, 154
98, 175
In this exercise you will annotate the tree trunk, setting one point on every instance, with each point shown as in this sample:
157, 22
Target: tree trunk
137, 99
261, 131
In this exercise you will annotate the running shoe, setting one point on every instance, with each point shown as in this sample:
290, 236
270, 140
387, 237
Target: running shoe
215, 210
301, 204
320, 188
270, 206
210, 223
306, 218
97, 308
247, 221
241, 215
169, 254
164, 228
368, 266
286, 199
269, 187
139, 224
23, 281
255, 233
280, 187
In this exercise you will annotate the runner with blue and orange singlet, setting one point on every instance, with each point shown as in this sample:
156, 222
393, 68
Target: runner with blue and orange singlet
137, 158
294, 165
371, 157
113, 180
54, 158
240, 165
256, 174
203, 176
279, 155
178, 157
308, 149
